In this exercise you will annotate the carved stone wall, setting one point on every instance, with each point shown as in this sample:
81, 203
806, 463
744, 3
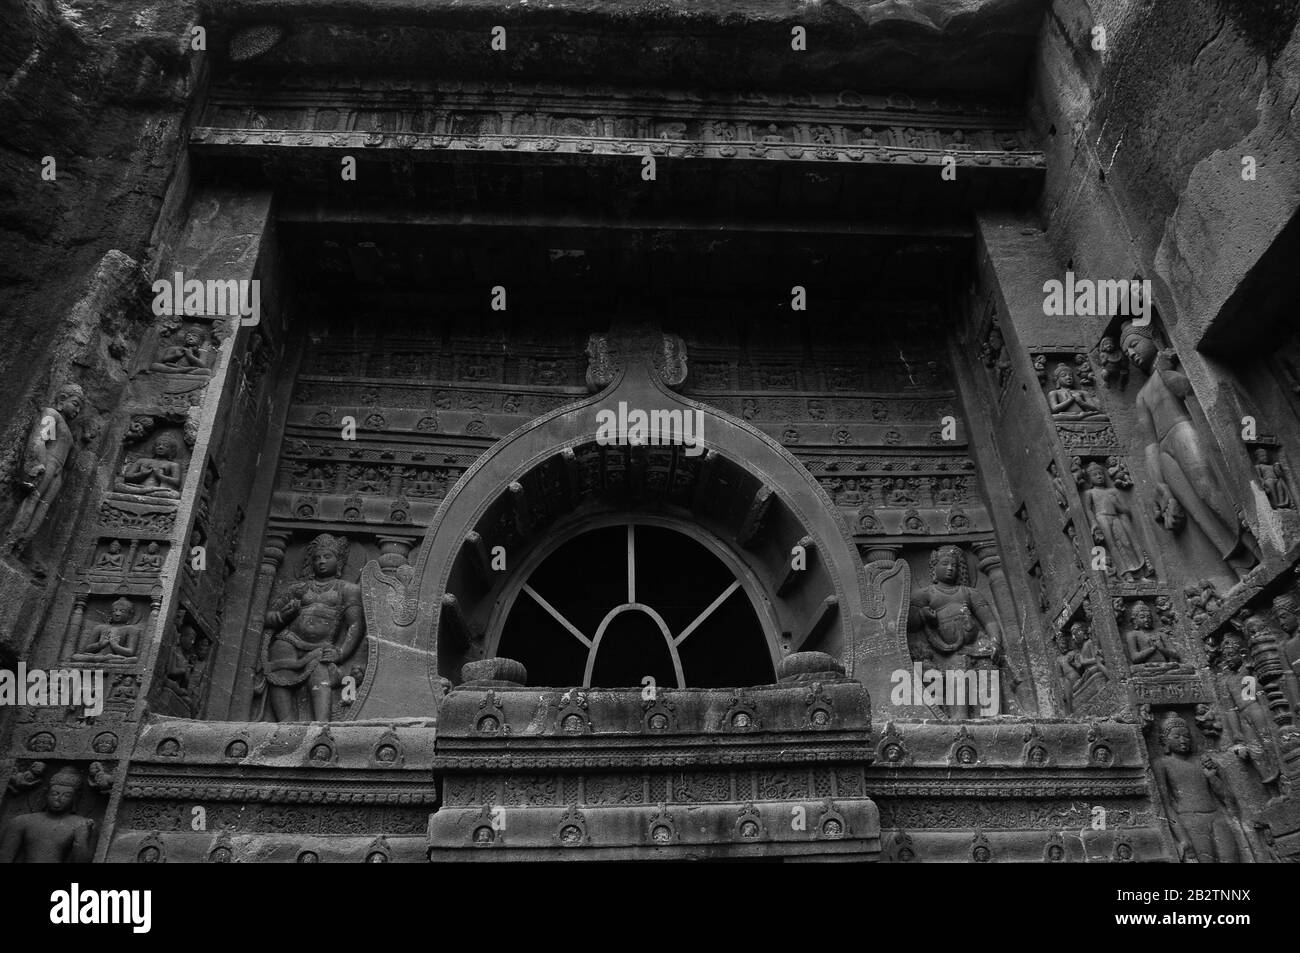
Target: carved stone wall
290, 541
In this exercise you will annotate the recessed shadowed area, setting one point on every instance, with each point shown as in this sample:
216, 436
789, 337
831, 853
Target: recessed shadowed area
676, 576
632, 648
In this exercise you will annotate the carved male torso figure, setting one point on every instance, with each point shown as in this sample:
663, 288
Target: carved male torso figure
315, 625
1177, 457
1194, 795
56, 835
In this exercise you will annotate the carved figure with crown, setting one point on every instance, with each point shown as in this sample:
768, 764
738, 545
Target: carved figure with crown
314, 627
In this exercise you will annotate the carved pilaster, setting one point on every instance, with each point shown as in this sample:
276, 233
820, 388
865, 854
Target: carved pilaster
1019, 664
273, 549
75, 622
990, 565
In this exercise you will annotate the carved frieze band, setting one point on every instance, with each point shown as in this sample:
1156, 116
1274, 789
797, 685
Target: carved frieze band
847, 127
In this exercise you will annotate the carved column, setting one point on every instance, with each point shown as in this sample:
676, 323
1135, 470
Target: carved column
273, 549
153, 631
73, 632
990, 564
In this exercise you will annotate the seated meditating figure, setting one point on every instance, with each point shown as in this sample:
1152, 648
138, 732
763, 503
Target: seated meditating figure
1068, 402
1149, 647
118, 637
111, 558
190, 356
158, 476
148, 560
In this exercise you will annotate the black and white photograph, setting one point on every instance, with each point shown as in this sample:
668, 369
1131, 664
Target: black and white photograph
502, 432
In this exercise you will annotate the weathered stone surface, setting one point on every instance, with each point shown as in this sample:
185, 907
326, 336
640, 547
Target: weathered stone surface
651, 440
923, 45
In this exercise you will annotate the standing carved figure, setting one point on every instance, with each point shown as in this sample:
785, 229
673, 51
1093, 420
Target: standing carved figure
1108, 516
1195, 797
1114, 369
1286, 613
956, 621
314, 627
1249, 732
1068, 668
1273, 478
48, 445
57, 835
112, 559
1177, 458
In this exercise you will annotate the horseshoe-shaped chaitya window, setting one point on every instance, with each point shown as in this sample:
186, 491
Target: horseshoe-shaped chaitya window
615, 605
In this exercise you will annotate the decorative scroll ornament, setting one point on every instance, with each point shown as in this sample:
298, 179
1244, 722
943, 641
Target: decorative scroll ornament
607, 355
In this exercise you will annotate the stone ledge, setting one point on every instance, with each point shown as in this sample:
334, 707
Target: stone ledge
831, 710
728, 829
1009, 745
189, 847
388, 745
1144, 844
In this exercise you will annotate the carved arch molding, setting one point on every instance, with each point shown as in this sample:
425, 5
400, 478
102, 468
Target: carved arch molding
742, 492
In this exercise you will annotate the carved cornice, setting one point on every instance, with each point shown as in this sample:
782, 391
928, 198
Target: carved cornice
235, 141
656, 758
414, 118
461, 95
364, 790
1051, 785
